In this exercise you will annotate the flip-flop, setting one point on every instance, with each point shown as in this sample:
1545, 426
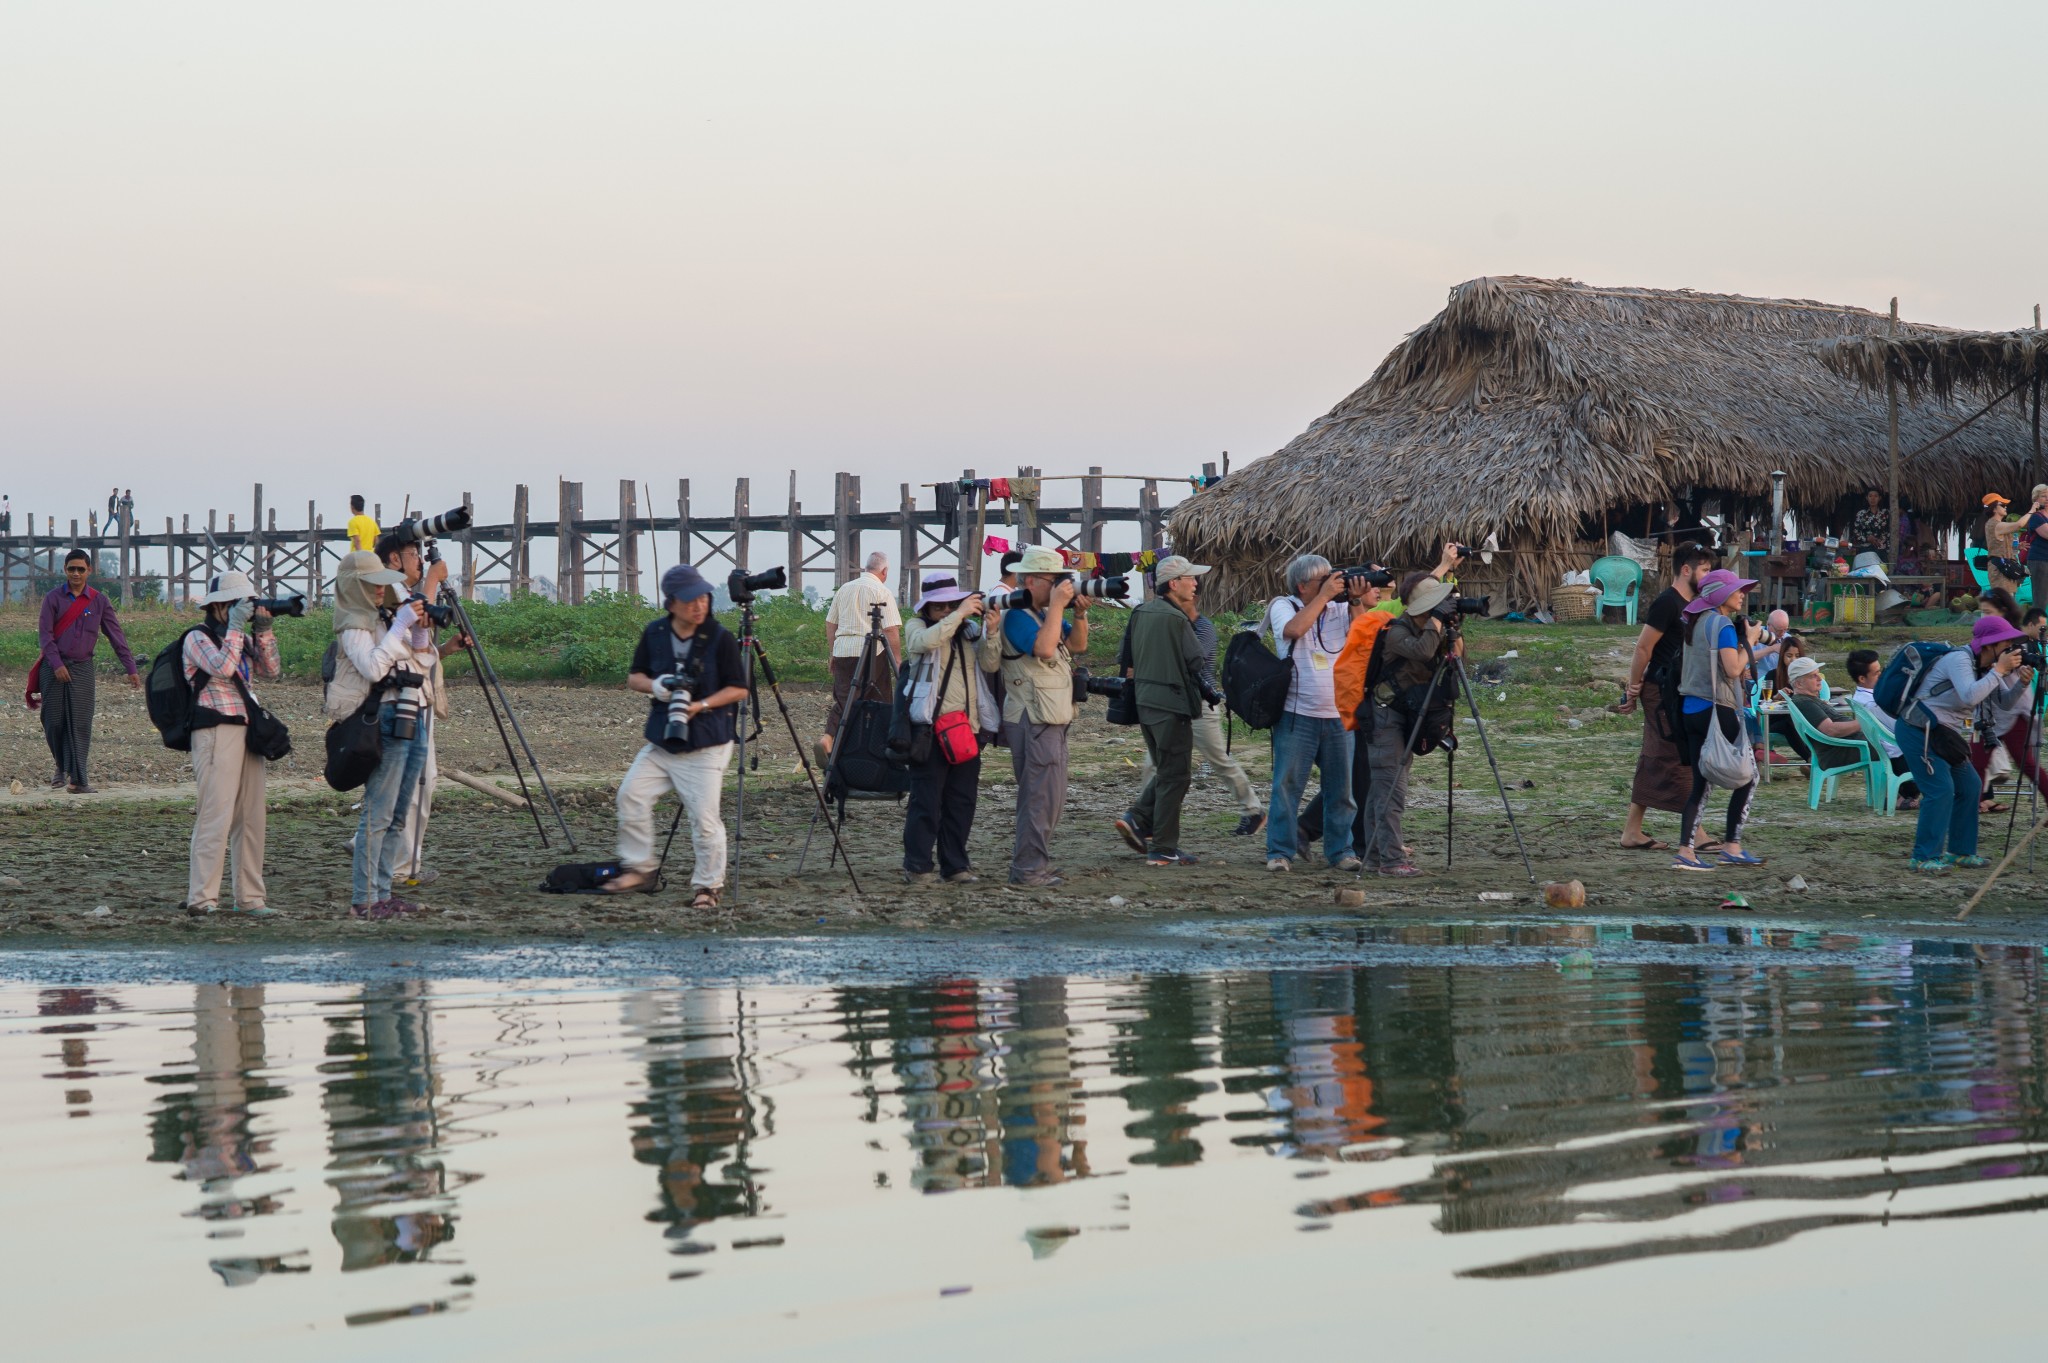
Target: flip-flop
1651, 846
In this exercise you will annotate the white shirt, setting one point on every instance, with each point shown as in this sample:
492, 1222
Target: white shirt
1313, 692
1867, 699
849, 613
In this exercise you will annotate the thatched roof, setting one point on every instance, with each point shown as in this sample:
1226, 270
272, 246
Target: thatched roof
1529, 405
1929, 360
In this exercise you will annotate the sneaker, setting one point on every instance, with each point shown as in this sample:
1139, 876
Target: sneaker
1936, 865
1347, 863
1400, 868
1682, 862
259, 911
1740, 859
1127, 828
1249, 824
920, 877
1170, 859
962, 878
1968, 863
1045, 880
1279, 864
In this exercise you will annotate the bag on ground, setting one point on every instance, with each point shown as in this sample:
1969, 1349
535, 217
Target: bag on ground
170, 697
1254, 680
1903, 676
582, 877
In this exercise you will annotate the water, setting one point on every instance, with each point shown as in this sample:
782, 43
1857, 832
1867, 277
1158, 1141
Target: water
1794, 1145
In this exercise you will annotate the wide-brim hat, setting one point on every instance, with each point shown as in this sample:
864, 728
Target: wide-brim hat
1993, 629
1429, 594
1716, 587
1173, 567
1040, 560
228, 586
1888, 598
365, 566
940, 590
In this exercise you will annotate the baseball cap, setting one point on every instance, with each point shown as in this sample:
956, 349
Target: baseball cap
1174, 566
683, 583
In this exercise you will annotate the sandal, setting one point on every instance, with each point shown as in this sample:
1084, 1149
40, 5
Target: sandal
1682, 862
705, 898
1740, 859
1651, 846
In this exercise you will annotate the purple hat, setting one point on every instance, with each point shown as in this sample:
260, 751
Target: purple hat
1716, 587
939, 589
1992, 629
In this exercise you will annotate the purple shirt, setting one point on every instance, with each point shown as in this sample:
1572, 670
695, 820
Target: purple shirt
76, 644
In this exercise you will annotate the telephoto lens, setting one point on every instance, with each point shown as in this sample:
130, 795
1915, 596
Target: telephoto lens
742, 587
1013, 601
282, 605
678, 730
1105, 588
1105, 686
405, 704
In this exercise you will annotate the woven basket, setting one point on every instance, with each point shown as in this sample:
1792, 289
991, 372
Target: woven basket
1575, 605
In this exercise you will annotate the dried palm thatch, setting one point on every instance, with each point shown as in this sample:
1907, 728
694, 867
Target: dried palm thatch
1527, 408
1925, 360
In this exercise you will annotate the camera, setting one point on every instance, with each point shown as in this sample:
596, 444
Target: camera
743, 586
1370, 574
1455, 608
442, 616
282, 605
420, 529
2032, 655
678, 730
405, 703
1103, 686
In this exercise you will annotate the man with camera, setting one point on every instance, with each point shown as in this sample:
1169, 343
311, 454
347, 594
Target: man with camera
1399, 697
220, 657
1308, 626
1170, 690
1035, 646
847, 625
383, 650
689, 667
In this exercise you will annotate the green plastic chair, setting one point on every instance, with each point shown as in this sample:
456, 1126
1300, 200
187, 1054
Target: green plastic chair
1820, 778
1892, 782
1620, 581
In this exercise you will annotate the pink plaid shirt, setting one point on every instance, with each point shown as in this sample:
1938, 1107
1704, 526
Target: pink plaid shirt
221, 662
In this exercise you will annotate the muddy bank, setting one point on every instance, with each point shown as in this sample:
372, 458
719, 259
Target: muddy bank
125, 849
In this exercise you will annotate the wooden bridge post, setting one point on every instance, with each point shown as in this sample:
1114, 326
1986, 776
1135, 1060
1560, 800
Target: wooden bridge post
970, 540
740, 511
846, 558
127, 563
469, 550
1027, 512
682, 520
259, 566
522, 546
629, 538
569, 544
910, 571
1090, 536
796, 540
1148, 523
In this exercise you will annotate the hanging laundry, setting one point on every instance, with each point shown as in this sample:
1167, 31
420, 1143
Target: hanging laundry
1146, 558
1090, 563
1116, 565
995, 544
946, 497
999, 489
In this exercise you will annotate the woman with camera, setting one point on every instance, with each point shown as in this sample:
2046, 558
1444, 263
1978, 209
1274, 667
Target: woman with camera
1935, 734
688, 665
219, 657
941, 645
382, 648
1712, 669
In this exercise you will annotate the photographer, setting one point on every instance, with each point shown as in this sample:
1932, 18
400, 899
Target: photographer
219, 657
685, 652
943, 793
848, 623
381, 647
1171, 691
1308, 626
1931, 736
1035, 647
1410, 650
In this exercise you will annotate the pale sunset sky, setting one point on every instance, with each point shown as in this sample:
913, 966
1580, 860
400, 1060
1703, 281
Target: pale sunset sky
423, 247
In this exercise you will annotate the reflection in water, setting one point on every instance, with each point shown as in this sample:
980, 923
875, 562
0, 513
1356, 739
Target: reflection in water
1621, 1112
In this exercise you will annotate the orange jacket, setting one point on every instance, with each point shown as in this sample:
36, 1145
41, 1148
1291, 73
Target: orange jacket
1349, 674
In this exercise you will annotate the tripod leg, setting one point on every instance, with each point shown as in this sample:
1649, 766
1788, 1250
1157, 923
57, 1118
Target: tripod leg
856, 692
810, 774
1450, 803
1465, 684
488, 682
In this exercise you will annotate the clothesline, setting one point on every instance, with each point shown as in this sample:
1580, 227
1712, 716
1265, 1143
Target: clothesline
1078, 477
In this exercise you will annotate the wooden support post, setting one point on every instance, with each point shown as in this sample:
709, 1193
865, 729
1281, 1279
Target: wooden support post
257, 567
846, 559
270, 554
970, 539
741, 509
565, 539
910, 573
312, 554
1027, 512
319, 537
522, 544
796, 539
212, 545
127, 563
468, 588
1090, 536
683, 520
1148, 523
629, 538
1891, 404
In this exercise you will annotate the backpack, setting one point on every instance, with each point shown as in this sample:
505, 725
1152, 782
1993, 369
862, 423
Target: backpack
1900, 682
1255, 681
170, 697
586, 877
861, 766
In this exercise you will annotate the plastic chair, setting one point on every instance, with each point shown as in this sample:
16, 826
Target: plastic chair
1818, 777
1875, 735
1620, 581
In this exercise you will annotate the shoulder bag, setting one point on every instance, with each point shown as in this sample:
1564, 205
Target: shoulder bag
32, 695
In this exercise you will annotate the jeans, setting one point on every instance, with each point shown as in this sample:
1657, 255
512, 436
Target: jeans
380, 837
1300, 743
1948, 798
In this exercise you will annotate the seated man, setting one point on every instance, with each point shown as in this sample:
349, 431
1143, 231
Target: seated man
1805, 676
1864, 669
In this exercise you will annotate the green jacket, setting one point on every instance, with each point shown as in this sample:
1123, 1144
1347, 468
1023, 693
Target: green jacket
1166, 661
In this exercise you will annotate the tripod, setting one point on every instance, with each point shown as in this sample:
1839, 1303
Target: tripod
871, 651
494, 698
752, 654
1453, 667
2035, 715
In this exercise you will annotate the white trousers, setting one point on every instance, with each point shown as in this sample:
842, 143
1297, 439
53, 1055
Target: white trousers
231, 781
1209, 742
698, 779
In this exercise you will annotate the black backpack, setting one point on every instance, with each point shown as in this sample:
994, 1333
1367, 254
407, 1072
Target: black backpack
862, 766
587, 877
170, 697
1254, 680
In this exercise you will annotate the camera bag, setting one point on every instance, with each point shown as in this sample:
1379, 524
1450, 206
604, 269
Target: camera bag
588, 877
354, 747
268, 737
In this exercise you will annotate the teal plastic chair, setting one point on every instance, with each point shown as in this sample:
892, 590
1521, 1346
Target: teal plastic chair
1620, 581
1882, 783
1821, 779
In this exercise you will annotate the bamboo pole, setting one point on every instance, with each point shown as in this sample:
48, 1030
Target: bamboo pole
1999, 869
481, 786
1891, 406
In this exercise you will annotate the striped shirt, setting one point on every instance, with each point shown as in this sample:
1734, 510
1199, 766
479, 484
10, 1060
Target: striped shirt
222, 662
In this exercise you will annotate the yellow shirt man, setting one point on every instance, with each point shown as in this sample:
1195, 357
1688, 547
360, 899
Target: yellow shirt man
362, 531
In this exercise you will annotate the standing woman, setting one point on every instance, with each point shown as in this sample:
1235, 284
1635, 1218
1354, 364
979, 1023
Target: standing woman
946, 630
1931, 738
234, 644
1710, 680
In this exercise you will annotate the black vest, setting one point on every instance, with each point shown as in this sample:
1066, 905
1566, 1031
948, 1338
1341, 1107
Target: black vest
711, 727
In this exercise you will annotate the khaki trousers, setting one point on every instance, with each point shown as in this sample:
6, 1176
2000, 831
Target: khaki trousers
698, 779
231, 780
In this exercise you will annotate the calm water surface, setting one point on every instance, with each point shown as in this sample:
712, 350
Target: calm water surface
1772, 1154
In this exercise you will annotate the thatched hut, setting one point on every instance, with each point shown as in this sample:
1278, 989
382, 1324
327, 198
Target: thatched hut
1547, 412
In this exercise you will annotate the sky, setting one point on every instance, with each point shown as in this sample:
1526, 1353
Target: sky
417, 249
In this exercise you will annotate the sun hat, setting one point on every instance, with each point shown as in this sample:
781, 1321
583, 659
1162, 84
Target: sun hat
1716, 587
1174, 566
1429, 594
1802, 667
361, 584
228, 586
683, 583
1040, 560
1992, 629
939, 589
